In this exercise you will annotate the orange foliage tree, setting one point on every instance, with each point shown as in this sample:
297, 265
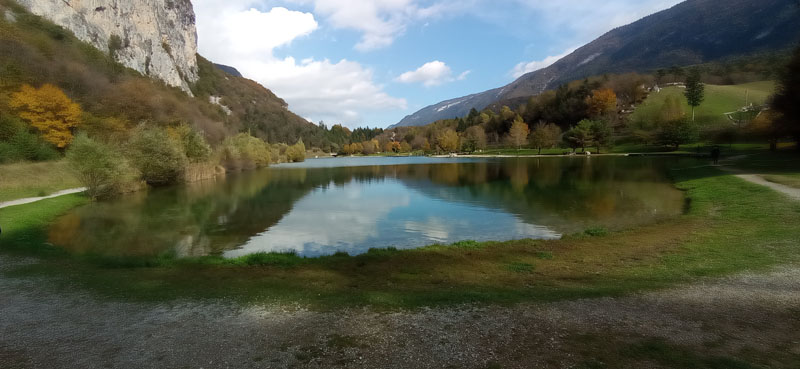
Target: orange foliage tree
48, 110
602, 102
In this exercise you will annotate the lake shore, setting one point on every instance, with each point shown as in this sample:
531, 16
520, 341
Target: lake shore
672, 294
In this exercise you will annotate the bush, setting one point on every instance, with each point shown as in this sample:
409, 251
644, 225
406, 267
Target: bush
244, 152
26, 146
159, 158
296, 152
194, 145
100, 169
677, 132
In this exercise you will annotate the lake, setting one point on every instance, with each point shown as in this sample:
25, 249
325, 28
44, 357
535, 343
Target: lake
323, 206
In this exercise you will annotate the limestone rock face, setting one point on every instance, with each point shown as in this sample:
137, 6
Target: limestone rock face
155, 37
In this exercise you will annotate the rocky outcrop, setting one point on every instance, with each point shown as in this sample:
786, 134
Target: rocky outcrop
158, 38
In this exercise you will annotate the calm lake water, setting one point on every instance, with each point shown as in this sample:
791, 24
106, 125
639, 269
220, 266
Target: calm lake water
353, 204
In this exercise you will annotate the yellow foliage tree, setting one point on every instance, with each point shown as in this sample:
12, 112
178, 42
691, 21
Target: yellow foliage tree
602, 102
518, 135
48, 110
447, 140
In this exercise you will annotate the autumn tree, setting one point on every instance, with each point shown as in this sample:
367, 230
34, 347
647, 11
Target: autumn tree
405, 147
671, 110
545, 135
602, 102
695, 90
447, 140
474, 139
518, 134
765, 127
48, 110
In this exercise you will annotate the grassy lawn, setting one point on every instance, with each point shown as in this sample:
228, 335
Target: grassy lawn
729, 228
20, 180
718, 101
791, 180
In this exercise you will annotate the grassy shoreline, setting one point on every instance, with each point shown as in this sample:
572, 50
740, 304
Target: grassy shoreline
729, 228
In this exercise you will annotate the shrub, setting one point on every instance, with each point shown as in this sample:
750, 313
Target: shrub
677, 132
296, 152
26, 146
159, 158
100, 169
244, 152
194, 145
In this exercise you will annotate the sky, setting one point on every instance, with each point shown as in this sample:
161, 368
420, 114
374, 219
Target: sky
372, 62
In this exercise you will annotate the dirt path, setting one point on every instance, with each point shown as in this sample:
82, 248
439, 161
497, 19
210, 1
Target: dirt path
35, 199
751, 315
758, 179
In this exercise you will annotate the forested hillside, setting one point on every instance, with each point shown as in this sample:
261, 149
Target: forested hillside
114, 99
692, 32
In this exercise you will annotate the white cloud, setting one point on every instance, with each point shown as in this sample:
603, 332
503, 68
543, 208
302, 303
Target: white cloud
379, 21
431, 74
235, 34
532, 66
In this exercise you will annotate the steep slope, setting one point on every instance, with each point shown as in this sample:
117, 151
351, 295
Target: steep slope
693, 32
154, 37
115, 99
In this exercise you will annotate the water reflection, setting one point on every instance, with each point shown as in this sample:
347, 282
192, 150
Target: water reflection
317, 208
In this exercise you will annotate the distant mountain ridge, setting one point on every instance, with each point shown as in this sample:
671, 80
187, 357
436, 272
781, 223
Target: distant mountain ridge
228, 69
692, 32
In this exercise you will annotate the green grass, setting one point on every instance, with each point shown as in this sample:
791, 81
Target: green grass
718, 101
21, 180
729, 228
791, 180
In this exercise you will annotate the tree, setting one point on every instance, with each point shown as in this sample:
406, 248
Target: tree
676, 72
765, 127
579, 136
158, 157
545, 136
474, 139
660, 74
602, 102
48, 110
672, 110
296, 152
676, 133
447, 140
405, 147
518, 134
786, 101
100, 169
695, 90
601, 134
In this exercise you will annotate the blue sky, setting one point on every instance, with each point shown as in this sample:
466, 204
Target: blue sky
371, 62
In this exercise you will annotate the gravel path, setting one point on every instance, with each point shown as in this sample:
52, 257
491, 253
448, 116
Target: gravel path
759, 180
43, 328
35, 199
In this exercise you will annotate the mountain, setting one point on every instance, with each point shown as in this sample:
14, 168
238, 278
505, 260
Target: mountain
154, 37
150, 75
692, 32
228, 69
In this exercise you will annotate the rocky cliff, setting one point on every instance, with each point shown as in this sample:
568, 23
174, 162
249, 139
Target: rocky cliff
155, 37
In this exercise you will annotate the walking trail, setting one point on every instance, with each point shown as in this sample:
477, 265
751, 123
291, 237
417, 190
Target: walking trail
792, 192
35, 199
